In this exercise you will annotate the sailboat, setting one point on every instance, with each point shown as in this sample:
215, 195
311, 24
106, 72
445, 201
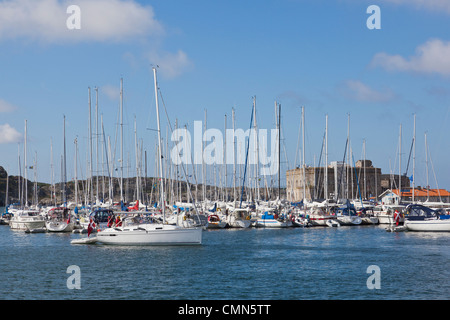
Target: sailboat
271, 219
347, 215
59, 220
422, 218
152, 233
239, 218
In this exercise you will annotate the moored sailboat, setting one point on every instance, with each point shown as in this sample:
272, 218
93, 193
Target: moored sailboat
152, 233
59, 220
239, 218
422, 218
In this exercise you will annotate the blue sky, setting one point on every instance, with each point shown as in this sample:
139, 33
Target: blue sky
216, 55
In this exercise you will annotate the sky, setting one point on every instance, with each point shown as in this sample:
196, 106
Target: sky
215, 56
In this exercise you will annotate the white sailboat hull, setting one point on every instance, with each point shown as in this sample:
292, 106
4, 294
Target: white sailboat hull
349, 220
272, 223
320, 220
151, 234
370, 220
59, 226
428, 225
239, 223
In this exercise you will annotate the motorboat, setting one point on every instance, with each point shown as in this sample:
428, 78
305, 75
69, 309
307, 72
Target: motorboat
26, 219
422, 218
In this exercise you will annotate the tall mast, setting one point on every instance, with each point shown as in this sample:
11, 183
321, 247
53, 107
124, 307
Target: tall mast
90, 149
159, 147
76, 177
279, 152
234, 160
303, 153
64, 165
137, 161
225, 159
25, 166
96, 139
52, 193
414, 160
121, 139
326, 160
400, 166
256, 152
204, 185
426, 162
365, 182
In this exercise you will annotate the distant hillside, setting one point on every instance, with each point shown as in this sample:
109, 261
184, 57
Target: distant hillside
149, 190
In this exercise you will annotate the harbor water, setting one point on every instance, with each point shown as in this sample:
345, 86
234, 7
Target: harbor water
319, 263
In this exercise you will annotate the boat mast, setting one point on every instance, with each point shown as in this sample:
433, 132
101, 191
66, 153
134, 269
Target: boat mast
256, 152
137, 161
234, 161
76, 175
121, 139
203, 163
365, 183
426, 162
52, 192
400, 166
64, 165
25, 166
414, 160
326, 160
225, 160
96, 141
159, 147
279, 153
303, 154
91, 185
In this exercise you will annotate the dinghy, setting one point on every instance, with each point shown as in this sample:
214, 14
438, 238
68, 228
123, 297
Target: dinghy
84, 241
332, 223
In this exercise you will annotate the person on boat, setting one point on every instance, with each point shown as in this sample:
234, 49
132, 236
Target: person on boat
118, 221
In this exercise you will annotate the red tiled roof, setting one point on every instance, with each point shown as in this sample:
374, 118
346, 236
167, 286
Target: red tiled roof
424, 193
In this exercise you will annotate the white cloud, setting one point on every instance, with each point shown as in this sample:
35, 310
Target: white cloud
6, 106
356, 90
112, 92
170, 65
432, 5
8, 134
101, 20
430, 57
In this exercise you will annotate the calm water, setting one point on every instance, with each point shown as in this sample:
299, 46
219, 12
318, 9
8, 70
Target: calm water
257, 264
